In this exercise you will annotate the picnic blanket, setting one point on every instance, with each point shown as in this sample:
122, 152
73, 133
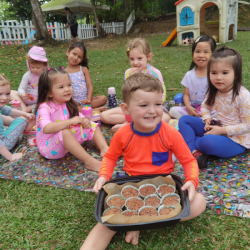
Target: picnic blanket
225, 183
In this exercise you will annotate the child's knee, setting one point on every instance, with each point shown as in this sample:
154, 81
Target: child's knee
198, 205
104, 116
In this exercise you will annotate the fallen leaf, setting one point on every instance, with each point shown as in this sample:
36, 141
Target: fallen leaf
166, 67
172, 89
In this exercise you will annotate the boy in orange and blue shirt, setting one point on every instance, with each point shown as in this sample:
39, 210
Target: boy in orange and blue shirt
147, 145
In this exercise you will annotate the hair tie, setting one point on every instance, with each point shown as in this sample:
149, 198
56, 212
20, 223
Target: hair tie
198, 39
3, 74
62, 67
48, 69
128, 49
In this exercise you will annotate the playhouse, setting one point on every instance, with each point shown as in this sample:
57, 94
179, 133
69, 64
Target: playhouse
191, 20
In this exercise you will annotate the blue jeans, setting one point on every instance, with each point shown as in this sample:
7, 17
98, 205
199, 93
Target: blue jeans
192, 130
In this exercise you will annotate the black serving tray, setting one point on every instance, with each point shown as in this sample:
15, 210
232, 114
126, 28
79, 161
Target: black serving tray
99, 206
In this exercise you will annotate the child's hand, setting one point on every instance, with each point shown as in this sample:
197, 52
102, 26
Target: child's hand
99, 183
25, 96
85, 101
213, 130
134, 71
192, 111
207, 124
16, 156
86, 123
30, 116
76, 120
189, 186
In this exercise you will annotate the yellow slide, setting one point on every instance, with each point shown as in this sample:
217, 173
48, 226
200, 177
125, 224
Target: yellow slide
170, 39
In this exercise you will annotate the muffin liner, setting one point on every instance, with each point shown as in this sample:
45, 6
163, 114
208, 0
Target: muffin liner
129, 186
115, 195
109, 209
146, 214
146, 185
128, 208
157, 190
130, 211
168, 195
163, 206
152, 195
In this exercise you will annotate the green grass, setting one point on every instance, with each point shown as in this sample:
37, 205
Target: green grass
41, 217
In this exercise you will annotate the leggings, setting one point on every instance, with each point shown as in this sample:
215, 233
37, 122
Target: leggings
192, 130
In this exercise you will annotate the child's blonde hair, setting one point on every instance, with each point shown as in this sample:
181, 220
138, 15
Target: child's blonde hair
140, 44
140, 81
32, 61
4, 80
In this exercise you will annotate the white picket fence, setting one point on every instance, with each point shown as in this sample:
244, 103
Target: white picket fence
13, 32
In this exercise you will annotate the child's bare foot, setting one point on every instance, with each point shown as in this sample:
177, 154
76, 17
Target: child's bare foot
101, 109
117, 126
93, 165
103, 150
133, 237
30, 125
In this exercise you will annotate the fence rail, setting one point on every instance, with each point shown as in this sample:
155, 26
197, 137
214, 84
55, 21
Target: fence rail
14, 32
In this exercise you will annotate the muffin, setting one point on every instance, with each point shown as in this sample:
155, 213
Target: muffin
152, 201
170, 200
164, 210
129, 191
116, 201
147, 189
134, 203
112, 210
165, 189
129, 213
148, 211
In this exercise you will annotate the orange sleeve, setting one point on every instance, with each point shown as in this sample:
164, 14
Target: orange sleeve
186, 159
110, 158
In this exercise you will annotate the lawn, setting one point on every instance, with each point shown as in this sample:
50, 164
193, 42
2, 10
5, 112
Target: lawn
40, 217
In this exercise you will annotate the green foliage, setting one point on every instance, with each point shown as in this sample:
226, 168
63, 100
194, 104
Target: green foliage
22, 10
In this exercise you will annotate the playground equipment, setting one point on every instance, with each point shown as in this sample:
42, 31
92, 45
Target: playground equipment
190, 16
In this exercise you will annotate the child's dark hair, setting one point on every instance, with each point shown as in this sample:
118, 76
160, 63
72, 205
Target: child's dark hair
203, 38
232, 56
81, 46
45, 85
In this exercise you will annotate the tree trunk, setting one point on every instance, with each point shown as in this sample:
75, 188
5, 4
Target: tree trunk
37, 28
40, 20
101, 32
125, 16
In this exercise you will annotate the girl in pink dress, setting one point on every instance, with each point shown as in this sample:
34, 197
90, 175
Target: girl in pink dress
60, 127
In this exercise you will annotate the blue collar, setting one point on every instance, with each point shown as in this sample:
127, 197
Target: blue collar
146, 134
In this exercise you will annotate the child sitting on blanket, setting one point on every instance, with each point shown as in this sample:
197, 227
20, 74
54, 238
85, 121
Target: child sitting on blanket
9, 136
195, 80
60, 127
28, 90
139, 54
81, 80
142, 100
231, 101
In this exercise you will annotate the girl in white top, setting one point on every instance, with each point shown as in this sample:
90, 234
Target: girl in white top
195, 80
231, 101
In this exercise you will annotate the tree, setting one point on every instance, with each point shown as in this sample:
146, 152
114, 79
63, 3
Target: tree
36, 7
101, 32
